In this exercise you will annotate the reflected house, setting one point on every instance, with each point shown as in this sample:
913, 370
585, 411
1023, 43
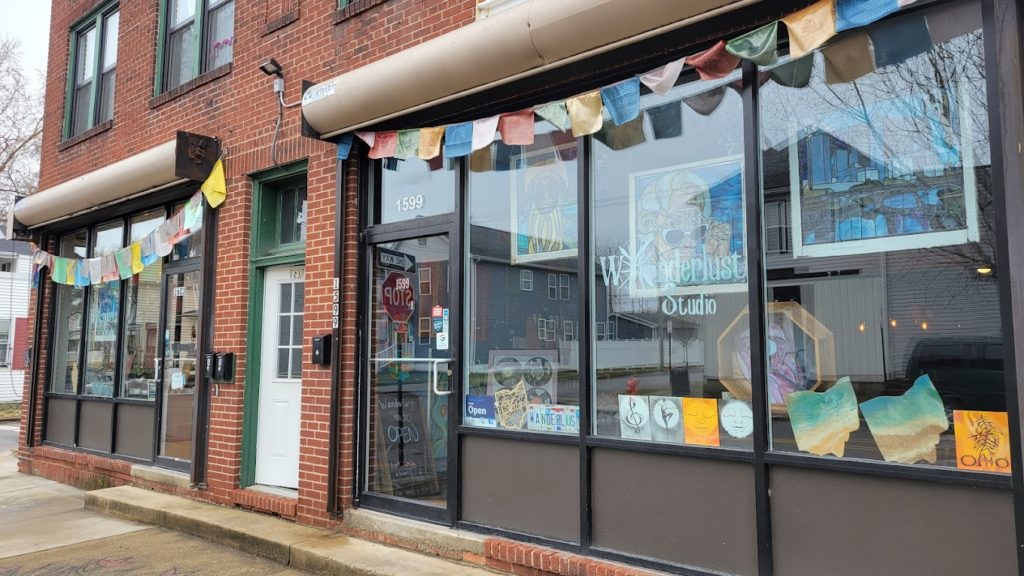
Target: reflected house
880, 290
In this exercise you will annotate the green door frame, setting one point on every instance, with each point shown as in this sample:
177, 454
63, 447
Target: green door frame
262, 254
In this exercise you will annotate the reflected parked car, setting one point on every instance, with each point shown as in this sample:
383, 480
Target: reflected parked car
967, 372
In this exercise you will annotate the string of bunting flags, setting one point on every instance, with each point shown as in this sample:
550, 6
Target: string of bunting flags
849, 58
132, 259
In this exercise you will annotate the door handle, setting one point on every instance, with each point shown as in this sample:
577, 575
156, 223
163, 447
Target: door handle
157, 365
434, 379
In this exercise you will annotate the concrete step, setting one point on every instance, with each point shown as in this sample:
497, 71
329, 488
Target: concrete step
300, 547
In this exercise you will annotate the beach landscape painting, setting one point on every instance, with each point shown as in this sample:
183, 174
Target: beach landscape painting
906, 428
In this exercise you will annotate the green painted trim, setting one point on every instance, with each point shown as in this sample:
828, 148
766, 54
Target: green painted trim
97, 74
262, 186
93, 18
199, 40
161, 39
69, 95
250, 396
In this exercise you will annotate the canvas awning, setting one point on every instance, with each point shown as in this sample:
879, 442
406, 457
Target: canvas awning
187, 157
521, 41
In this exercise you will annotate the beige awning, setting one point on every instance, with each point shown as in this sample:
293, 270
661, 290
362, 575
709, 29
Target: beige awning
188, 157
521, 41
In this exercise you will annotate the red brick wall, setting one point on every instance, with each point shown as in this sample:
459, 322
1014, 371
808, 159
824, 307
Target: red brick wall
313, 41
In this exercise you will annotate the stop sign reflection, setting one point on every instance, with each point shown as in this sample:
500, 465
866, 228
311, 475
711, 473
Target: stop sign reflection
398, 297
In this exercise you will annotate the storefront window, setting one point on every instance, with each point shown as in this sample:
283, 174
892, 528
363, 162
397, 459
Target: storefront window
415, 188
142, 318
670, 270
104, 307
68, 325
884, 324
522, 360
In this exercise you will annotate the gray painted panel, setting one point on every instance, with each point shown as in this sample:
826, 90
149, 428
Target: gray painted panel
94, 425
60, 420
135, 431
527, 487
839, 524
683, 510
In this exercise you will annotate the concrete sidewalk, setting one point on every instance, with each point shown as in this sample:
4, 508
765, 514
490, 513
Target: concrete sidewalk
45, 531
299, 547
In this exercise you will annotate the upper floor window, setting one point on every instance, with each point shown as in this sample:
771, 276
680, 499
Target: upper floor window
198, 36
92, 68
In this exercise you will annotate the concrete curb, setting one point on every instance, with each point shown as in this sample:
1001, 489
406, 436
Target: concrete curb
300, 547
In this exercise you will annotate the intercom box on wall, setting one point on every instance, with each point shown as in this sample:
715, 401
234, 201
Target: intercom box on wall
322, 350
224, 371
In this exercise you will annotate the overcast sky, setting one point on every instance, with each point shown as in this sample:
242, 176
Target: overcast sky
28, 21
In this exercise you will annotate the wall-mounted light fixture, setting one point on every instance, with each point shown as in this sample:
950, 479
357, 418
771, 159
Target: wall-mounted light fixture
270, 67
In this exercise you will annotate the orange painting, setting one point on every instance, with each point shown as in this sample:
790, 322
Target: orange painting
700, 421
982, 440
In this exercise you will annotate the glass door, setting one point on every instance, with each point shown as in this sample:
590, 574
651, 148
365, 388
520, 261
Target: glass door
410, 356
178, 365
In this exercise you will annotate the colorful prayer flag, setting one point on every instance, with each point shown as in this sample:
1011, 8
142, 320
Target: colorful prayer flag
408, 141
430, 142
59, 271
193, 219
705, 103
481, 160
661, 80
161, 242
760, 46
953, 19
848, 58
344, 146
215, 189
458, 140
483, 132
715, 62
368, 137
811, 27
795, 73
385, 144
666, 120
81, 273
555, 113
137, 265
625, 136
622, 101
857, 13
516, 128
109, 268
95, 270
897, 40
585, 113
123, 257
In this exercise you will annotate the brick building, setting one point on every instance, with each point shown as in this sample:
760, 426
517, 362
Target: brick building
752, 326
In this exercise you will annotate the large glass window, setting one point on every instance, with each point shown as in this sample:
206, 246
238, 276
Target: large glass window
142, 318
199, 37
101, 334
67, 336
93, 65
884, 325
670, 276
523, 217
415, 188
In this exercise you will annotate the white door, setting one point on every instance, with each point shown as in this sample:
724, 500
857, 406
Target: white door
277, 433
